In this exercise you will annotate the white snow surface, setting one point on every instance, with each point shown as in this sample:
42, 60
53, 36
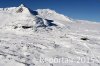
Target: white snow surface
52, 15
26, 38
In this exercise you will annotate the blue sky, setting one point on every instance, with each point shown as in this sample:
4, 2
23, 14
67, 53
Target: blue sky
76, 9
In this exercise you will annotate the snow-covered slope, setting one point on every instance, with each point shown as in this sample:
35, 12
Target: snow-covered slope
33, 38
52, 15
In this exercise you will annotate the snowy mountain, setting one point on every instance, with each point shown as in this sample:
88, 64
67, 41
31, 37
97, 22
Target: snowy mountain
52, 15
42, 37
24, 17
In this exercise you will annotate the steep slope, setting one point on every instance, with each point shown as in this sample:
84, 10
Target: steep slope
20, 16
52, 15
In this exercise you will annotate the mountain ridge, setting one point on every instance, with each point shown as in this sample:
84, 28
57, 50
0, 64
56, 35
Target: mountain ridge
33, 19
23, 16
